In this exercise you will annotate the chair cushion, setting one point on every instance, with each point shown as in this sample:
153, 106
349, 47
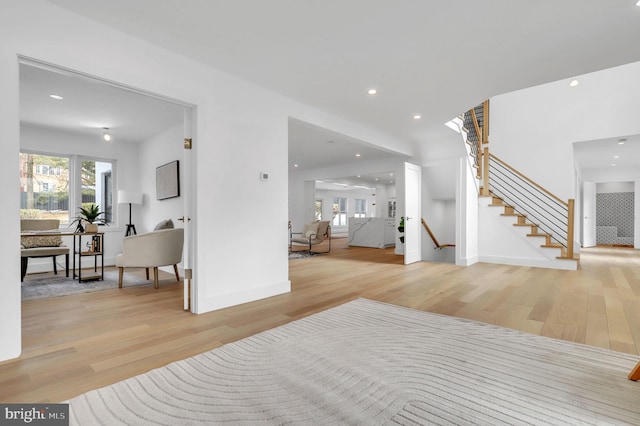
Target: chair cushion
44, 251
165, 224
310, 229
43, 241
323, 227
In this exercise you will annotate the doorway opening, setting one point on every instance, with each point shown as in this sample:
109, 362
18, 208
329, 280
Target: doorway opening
66, 114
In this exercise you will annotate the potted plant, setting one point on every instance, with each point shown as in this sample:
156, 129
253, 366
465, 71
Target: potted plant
90, 215
401, 229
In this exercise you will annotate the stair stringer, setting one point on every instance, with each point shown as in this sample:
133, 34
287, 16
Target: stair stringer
501, 242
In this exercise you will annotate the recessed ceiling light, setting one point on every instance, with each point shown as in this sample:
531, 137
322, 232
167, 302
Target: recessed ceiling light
357, 155
613, 165
295, 165
372, 91
616, 156
638, 3
56, 97
417, 116
621, 141
390, 174
574, 82
376, 178
358, 175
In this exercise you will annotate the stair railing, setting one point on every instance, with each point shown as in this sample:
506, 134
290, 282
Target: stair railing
549, 213
433, 237
476, 121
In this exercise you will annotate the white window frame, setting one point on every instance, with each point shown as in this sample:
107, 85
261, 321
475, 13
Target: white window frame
75, 180
360, 208
341, 214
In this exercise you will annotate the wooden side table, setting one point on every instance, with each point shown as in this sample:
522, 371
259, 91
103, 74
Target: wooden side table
93, 246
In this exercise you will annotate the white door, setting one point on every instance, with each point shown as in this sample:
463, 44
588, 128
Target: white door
412, 237
189, 296
589, 214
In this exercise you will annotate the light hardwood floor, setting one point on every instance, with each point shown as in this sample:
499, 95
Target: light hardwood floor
76, 343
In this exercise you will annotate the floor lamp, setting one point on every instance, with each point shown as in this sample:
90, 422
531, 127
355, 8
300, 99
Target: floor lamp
129, 197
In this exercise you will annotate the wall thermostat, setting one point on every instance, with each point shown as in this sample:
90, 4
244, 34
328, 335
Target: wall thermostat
264, 176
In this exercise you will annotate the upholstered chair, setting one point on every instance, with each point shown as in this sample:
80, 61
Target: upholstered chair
151, 250
313, 234
41, 245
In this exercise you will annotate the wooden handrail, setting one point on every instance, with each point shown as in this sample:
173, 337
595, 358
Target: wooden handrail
485, 124
485, 169
474, 118
433, 237
540, 187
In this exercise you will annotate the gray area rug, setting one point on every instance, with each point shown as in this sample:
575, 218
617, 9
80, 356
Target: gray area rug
55, 286
370, 363
301, 255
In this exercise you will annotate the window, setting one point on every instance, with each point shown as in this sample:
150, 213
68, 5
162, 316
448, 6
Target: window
48, 188
41, 194
339, 211
360, 208
318, 209
96, 186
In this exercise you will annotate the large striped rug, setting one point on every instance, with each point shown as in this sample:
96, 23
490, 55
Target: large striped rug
370, 363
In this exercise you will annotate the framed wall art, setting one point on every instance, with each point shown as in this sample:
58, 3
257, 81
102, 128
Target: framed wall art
168, 180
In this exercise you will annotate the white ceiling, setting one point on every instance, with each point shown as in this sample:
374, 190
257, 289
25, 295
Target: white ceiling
437, 58
90, 105
601, 153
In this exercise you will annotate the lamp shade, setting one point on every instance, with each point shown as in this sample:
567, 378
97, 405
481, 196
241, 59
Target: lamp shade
129, 197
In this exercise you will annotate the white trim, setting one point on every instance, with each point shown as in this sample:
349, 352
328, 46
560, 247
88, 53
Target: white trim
219, 301
568, 265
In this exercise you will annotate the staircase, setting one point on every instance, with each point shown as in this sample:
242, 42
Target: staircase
526, 210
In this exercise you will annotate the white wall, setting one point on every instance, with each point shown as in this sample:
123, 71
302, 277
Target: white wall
241, 130
126, 174
533, 129
613, 176
299, 208
161, 149
613, 187
440, 215
467, 233
327, 197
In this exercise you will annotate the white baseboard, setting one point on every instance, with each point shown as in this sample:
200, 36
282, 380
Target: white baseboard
567, 265
467, 261
226, 300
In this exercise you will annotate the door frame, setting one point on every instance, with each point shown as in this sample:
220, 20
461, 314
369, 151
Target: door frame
189, 121
413, 213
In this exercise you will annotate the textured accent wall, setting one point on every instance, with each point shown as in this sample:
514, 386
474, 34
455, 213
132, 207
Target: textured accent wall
614, 218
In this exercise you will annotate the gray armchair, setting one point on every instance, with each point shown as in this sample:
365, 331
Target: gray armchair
150, 250
313, 234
